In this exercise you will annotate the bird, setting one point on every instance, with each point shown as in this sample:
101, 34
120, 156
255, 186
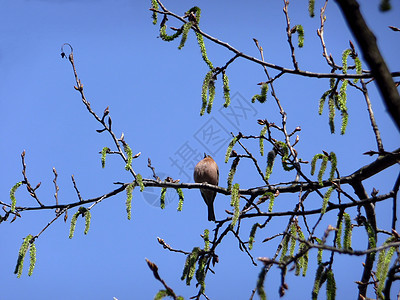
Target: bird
206, 171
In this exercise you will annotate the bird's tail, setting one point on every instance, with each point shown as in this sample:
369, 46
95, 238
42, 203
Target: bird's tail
211, 215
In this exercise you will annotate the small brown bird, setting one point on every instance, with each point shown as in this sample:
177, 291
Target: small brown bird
206, 171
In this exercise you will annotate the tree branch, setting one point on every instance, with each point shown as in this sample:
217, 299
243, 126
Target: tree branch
270, 65
367, 41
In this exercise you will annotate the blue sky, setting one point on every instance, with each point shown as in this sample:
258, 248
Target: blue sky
153, 93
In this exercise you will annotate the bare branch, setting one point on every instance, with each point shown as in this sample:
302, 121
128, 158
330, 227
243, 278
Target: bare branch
270, 65
154, 268
369, 47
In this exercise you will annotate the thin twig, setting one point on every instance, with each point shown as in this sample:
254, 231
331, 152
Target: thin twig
372, 117
394, 207
55, 185
153, 170
153, 267
289, 34
244, 247
320, 33
58, 214
166, 246
254, 161
32, 191
79, 88
76, 189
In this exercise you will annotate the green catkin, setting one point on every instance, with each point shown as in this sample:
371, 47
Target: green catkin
21, 255
345, 120
139, 182
300, 32
168, 38
285, 155
197, 11
226, 88
129, 190
357, 62
32, 258
322, 170
211, 93
324, 162
206, 237
305, 256
230, 147
348, 228
128, 152
187, 266
270, 164
84, 212
311, 5
371, 237
190, 265
345, 55
260, 284
271, 202
380, 263
73, 224
331, 105
389, 254
235, 204
320, 251
332, 83
205, 91
317, 282
338, 240
262, 97
161, 294
201, 274
252, 235
200, 41
330, 286
293, 235
298, 264
181, 198
162, 197
384, 258
185, 30
343, 95
314, 162
322, 101
12, 195
262, 133
343, 105
88, 217
104, 152
326, 198
336, 100
285, 246
333, 160
319, 255
154, 5
235, 194
301, 260
232, 172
